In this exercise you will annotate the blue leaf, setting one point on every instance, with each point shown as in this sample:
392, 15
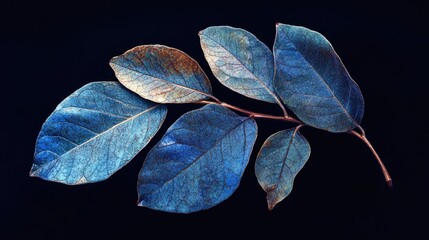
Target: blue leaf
199, 161
93, 133
240, 61
313, 82
162, 74
281, 157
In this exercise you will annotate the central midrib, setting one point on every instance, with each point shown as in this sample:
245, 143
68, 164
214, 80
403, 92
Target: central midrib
321, 80
197, 158
163, 80
99, 135
285, 159
248, 70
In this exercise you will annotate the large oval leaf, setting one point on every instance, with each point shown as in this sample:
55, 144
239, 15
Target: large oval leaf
162, 74
313, 82
199, 161
93, 133
281, 157
240, 61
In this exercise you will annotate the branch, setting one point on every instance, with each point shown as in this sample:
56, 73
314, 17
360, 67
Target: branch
287, 118
377, 157
254, 114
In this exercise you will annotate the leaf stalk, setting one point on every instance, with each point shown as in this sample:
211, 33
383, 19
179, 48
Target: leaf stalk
254, 114
362, 137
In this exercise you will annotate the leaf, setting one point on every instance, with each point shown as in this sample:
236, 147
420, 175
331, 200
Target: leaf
162, 74
313, 82
281, 157
240, 61
93, 133
199, 161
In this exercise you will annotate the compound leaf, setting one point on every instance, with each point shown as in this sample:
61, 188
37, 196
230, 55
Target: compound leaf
240, 61
199, 161
313, 82
162, 74
281, 157
93, 133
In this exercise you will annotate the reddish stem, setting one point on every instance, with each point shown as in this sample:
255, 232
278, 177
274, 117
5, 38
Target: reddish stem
377, 157
255, 114
287, 118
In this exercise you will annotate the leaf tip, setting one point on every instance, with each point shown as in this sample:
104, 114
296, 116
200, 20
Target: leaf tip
271, 205
32, 172
271, 198
140, 201
112, 61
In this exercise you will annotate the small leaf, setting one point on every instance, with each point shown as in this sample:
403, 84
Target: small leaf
93, 133
313, 82
281, 157
162, 74
199, 161
240, 61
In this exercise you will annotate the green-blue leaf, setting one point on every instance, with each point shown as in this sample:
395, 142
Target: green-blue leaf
93, 133
281, 157
199, 161
313, 82
240, 61
162, 74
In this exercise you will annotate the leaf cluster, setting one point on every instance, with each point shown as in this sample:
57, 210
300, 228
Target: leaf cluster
201, 158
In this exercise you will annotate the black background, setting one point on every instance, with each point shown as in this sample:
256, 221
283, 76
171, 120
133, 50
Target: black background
49, 50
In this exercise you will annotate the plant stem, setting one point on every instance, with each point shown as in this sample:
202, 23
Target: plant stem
281, 106
288, 118
377, 157
254, 114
